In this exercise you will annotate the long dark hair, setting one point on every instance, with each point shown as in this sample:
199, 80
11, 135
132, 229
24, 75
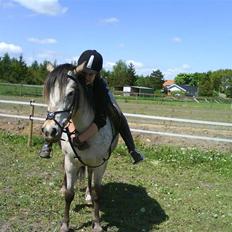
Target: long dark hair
89, 90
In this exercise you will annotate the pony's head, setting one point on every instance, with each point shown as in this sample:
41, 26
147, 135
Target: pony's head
61, 93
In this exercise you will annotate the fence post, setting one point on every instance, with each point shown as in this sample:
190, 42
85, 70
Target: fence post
29, 142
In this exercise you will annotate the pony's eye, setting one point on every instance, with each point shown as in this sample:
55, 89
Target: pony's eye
71, 94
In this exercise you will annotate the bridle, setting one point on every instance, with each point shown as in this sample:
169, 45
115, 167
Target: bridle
51, 115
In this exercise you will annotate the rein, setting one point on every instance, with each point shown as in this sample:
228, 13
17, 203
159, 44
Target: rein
79, 158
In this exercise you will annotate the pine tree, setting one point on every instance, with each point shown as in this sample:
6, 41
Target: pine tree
156, 80
131, 74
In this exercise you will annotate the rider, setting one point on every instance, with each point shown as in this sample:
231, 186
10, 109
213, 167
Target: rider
103, 105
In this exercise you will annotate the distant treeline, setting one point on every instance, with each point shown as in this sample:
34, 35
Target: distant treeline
16, 70
209, 84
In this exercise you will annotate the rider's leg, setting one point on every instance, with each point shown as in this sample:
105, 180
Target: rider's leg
121, 124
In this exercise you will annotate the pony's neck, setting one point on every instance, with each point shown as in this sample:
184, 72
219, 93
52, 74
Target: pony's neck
85, 113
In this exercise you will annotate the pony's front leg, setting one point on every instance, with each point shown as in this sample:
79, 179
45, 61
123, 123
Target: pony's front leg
95, 192
71, 176
69, 195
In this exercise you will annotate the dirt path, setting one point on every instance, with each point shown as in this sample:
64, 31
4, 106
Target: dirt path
22, 127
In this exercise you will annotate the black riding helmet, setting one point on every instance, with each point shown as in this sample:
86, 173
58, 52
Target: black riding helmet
93, 61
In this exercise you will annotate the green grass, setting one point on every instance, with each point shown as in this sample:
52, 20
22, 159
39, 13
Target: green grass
174, 189
20, 90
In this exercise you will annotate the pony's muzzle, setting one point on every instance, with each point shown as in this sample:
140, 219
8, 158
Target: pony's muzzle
51, 131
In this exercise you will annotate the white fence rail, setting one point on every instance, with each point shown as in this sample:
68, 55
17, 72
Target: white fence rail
31, 117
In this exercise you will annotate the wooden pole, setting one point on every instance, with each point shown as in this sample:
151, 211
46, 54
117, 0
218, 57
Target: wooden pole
31, 124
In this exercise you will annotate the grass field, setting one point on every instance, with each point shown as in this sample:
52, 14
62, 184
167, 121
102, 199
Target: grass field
181, 109
172, 190
20, 89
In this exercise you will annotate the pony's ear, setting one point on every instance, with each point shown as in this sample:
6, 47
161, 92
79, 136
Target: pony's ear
80, 67
50, 67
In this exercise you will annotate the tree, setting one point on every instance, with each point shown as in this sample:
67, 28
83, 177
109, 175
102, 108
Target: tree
5, 69
196, 77
142, 81
119, 75
131, 74
105, 74
206, 86
191, 79
20, 69
13, 70
226, 85
156, 80
183, 79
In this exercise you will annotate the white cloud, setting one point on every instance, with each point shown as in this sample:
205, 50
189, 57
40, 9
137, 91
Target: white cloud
48, 55
73, 59
42, 41
138, 65
172, 72
47, 7
10, 48
109, 65
176, 39
186, 66
121, 45
111, 20
145, 71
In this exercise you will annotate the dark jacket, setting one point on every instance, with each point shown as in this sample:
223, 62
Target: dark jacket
101, 100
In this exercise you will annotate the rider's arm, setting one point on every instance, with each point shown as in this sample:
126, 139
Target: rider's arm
88, 133
100, 93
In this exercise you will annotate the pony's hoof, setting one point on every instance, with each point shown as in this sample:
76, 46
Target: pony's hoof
64, 228
88, 200
97, 227
62, 190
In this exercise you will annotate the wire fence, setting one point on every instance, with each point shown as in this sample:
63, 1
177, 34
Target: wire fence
31, 117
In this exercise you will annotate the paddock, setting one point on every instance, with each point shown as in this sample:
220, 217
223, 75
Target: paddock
152, 129
181, 186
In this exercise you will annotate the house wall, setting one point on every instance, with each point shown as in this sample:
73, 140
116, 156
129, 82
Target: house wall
174, 89
127, 90
131, 90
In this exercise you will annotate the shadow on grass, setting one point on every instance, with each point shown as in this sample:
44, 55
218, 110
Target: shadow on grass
128, 208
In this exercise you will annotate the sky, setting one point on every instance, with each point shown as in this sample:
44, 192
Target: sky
174, 36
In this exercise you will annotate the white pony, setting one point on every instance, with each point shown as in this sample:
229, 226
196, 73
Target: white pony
67, 100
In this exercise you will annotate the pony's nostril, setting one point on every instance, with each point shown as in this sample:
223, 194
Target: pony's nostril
42, 129
54, 132
46, 133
